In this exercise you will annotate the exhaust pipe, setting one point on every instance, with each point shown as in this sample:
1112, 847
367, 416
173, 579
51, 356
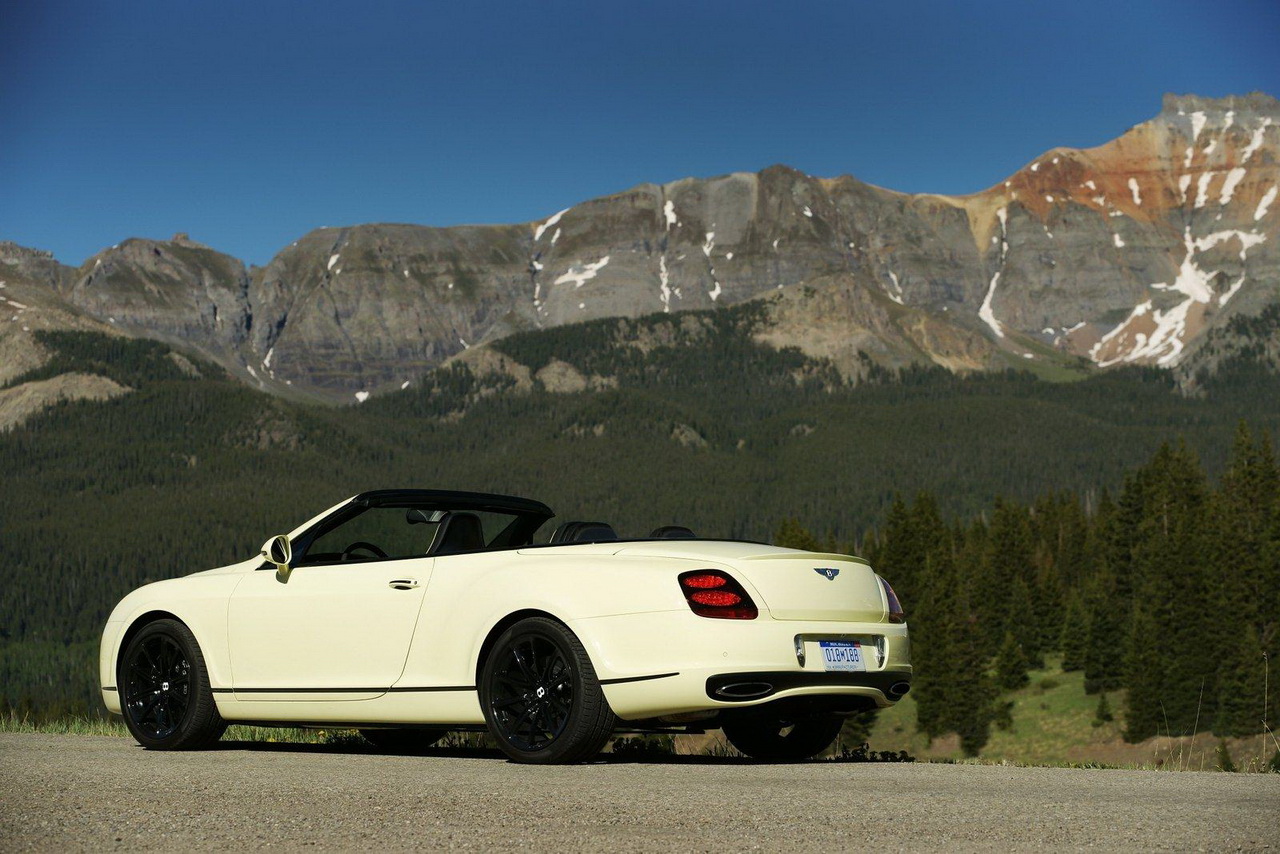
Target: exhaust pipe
898, 690
745, 690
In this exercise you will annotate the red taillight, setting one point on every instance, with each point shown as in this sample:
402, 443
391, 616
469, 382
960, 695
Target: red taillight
718, 598
895, 607
714, 594
704, 580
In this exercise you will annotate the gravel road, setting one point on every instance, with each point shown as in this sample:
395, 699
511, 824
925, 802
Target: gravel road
81, 792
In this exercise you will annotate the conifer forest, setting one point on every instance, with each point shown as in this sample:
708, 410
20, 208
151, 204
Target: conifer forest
1120, 522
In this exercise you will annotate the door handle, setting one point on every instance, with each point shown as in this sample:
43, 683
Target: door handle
403, 583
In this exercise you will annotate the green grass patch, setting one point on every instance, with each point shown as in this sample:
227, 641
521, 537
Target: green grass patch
114, 727
1052, 723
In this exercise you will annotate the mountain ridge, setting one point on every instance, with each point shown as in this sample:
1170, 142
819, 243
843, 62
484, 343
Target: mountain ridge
1125, 253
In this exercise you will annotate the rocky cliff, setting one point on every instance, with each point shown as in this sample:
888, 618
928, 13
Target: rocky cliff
1125, 253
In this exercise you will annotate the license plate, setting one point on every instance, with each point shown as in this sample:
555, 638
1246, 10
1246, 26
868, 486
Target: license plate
842, 656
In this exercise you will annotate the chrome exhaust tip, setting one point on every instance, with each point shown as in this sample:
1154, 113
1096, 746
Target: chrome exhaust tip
899, 689
745, 690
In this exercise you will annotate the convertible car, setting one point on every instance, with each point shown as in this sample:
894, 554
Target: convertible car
409, 613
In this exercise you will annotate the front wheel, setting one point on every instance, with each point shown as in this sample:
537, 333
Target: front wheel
164, 689
779, 739
540, 695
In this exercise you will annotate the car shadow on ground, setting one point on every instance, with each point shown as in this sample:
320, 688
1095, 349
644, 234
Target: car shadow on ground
341, 749
355, 748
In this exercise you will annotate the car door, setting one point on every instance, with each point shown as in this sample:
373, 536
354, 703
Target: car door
340, 626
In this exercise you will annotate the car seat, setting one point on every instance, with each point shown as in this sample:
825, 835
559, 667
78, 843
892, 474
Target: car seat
459, 532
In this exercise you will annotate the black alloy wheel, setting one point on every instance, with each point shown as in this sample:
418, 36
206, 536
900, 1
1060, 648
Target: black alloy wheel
164, 689
777, 739
540, 695
534, 693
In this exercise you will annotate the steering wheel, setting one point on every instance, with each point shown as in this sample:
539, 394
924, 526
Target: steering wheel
349, 552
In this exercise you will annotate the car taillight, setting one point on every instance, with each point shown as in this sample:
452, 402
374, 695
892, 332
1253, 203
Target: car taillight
713, 594
895, 607
704, 580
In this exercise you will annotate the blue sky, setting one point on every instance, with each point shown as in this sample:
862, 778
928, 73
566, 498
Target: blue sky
248, 124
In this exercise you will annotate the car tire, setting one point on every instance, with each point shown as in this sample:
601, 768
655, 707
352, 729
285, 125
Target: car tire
540, 695
164, 689
777, 739
402, 741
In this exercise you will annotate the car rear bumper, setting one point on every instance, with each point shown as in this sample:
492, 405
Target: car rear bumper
672, 663
760, 685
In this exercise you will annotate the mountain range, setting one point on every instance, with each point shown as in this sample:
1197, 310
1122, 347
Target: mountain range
1140, 251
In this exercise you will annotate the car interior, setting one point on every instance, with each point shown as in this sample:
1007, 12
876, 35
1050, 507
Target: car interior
601, 532
388, 532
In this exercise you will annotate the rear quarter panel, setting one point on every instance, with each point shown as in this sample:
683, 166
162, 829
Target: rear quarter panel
470, 594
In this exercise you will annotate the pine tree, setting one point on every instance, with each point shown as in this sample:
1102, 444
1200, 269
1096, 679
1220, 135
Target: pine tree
1075, 635
972, 714
792, 535
1006, 560
1102, 713
937, 639
901, 553
1011, 664
1171, 578
1105, 642
1240, 684
1021, 623
1047, 603
1144, 712
1248, 542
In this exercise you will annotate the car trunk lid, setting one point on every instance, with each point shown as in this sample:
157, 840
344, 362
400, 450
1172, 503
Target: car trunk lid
810, 586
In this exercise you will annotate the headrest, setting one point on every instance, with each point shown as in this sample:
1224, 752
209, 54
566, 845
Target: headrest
672, 532
584, 532
460, 532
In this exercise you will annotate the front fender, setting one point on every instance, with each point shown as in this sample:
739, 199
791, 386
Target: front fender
198, 601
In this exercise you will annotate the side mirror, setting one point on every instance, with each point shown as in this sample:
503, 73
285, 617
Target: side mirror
279, 550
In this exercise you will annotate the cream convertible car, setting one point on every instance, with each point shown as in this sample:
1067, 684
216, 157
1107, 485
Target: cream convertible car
408, 613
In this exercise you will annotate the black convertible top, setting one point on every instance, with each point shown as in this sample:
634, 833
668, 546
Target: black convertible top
453, 500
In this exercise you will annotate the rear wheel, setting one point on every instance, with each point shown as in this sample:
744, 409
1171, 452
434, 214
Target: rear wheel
164, 689
540, 695
780, 739
402, 740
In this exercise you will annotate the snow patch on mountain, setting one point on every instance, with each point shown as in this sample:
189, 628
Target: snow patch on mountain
552, 220
664, 289
1265, 204
1202, 189
1255, 141
986, 313
1229, 186
1198, 120
580, 274
1162, 337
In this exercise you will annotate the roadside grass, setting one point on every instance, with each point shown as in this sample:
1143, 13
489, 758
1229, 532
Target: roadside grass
114, 727
73, 725
1053, 723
